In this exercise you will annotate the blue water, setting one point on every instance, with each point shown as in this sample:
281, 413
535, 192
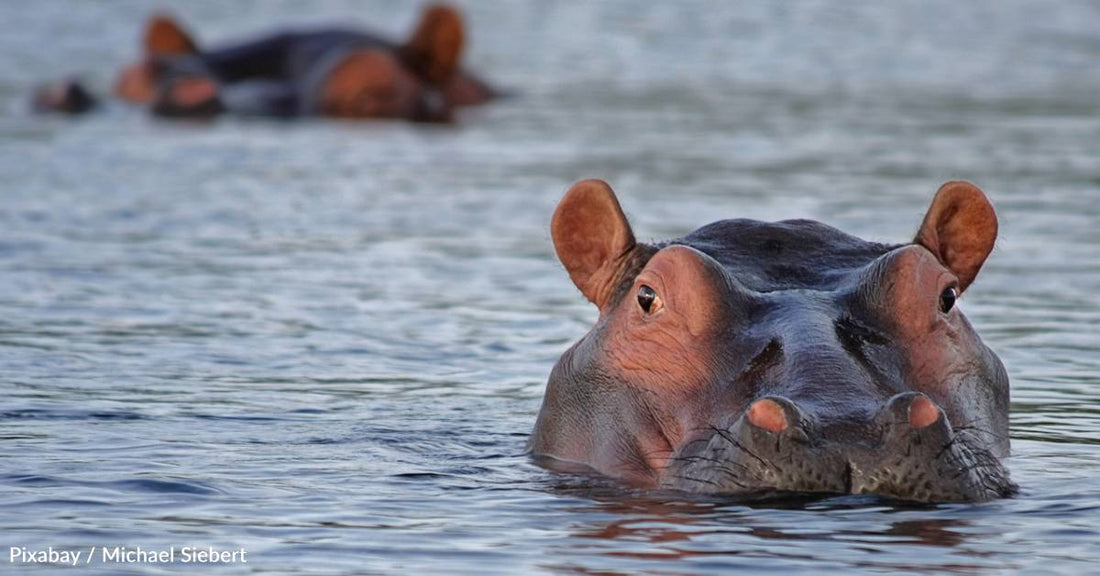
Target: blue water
327, 343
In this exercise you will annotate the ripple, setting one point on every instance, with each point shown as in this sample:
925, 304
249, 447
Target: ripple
161, 486
47, 414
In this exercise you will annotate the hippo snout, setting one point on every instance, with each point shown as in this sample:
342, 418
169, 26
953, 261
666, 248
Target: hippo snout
907, 449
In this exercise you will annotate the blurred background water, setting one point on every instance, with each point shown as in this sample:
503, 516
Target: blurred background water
327, 343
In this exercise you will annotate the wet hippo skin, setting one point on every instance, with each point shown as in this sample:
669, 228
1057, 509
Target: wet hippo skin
751, 357
327, 71
333, 72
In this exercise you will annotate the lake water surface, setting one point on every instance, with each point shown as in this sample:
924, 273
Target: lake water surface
327, 343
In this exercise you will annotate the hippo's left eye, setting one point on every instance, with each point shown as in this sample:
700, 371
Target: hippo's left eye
648, 300
948, 298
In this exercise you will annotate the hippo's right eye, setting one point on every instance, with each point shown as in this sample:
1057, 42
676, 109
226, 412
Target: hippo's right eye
948, 298
648, 300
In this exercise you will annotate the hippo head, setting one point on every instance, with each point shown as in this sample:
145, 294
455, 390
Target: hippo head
751, 357
66, 97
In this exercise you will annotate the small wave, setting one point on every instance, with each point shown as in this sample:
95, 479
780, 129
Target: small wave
44, 414
163, 486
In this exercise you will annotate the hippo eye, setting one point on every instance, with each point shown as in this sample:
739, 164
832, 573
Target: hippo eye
947, 299
648, 299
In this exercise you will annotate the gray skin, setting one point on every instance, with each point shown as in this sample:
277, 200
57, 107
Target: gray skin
842, 337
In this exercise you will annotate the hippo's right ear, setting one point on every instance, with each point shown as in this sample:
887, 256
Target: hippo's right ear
591, 236
435, 47
960, 229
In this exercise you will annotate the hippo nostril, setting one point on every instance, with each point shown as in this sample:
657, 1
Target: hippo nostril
768, 414
922, 412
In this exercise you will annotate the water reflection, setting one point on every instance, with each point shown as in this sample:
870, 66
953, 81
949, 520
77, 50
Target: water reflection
680, 530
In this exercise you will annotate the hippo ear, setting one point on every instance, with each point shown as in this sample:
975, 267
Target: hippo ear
435, 47
960, 229
591, 236
165, 37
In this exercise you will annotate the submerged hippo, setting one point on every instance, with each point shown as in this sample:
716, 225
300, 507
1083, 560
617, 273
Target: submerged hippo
751, 357
335, 72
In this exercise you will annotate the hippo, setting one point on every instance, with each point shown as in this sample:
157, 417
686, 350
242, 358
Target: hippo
68, 96
332, 72
756, 359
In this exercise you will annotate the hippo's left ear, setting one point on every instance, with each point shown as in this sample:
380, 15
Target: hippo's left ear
165, 37
960, 229
592, 236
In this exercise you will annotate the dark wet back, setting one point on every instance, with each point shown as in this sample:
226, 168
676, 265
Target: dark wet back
287, 55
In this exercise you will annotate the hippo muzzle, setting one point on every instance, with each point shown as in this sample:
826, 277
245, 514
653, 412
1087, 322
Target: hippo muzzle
752, 358
908, 450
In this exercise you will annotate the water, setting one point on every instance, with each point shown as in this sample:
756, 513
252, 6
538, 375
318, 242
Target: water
327, 343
